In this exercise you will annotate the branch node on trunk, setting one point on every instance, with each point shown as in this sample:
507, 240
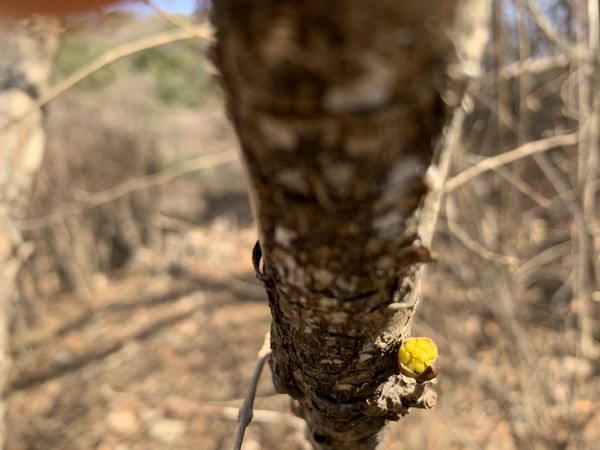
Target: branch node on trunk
394, 398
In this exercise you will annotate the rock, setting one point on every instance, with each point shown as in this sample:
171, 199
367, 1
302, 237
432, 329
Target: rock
167, 430
124, 421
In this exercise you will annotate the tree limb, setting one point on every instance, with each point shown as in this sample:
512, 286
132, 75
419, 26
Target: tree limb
336, 105
528, 149
109, 57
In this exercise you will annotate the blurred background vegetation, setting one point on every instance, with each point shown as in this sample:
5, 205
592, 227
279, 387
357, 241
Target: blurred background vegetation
139, 317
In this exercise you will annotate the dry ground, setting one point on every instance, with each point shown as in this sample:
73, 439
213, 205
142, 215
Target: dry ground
155, 358
161, 356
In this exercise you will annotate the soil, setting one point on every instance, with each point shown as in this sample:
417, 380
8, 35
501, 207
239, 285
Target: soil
161, 356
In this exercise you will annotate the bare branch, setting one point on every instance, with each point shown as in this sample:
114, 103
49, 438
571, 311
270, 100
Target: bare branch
471, 243
548, 30
135, 184
245, 413
178, 21
111, 56
588, 163
543, 259
216, 408
530, 66
528, 149
526, 189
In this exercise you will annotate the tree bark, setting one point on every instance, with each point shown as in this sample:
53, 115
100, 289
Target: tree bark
337, 106
27, 49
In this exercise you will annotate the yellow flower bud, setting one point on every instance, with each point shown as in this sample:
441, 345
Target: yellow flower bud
418, 358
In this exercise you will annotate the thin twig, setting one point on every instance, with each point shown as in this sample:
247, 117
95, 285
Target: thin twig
174, 405
551, 34
533, 66
505, 115
523, 151
245, 414
109, 57
450, 142
561, 184
534, 98
526, 189
176, 20
471, 243
589, 131
542, 259
135, 184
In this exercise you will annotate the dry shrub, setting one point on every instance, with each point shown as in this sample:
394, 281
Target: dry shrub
93, 144
503, 298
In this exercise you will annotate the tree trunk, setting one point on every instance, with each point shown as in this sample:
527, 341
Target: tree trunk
27, 49
337, 106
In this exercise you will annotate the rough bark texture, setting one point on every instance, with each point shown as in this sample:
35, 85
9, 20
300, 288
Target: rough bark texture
27, 49
337, 105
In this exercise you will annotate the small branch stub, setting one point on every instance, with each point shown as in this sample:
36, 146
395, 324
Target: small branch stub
419, 364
